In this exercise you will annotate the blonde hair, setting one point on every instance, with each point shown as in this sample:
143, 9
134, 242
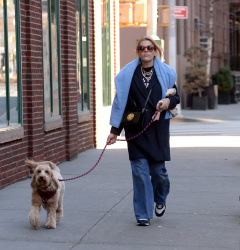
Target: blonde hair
147, 38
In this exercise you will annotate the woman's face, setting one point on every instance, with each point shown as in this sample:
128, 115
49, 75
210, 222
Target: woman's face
146, 51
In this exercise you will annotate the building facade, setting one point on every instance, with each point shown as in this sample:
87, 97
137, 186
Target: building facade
195, 30
56, 81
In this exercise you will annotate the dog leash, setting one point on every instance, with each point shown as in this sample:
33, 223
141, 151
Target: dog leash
131, 138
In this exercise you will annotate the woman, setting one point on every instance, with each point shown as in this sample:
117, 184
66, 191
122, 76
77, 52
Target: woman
146, 79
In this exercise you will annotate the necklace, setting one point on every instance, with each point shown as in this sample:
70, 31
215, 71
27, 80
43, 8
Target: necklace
147, 75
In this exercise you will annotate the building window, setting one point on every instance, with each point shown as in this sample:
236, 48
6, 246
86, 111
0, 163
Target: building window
51, 58
82, 48
10, 64
204, 42
106, 53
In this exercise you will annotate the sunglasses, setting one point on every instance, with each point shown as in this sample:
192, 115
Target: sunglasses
142, 48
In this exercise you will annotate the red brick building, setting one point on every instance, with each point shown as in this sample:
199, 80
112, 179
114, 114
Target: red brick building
50, 77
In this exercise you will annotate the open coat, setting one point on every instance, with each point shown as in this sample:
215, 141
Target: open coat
153, 144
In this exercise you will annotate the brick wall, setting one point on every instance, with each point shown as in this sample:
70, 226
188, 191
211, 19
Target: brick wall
69, 83
64, 142
32, 78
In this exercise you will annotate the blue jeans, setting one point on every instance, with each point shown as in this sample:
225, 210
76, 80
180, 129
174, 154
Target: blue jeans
150, 184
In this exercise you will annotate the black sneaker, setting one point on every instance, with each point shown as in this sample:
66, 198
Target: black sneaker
143, 222
160, 210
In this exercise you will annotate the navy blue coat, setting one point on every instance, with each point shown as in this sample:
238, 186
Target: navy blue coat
153, 144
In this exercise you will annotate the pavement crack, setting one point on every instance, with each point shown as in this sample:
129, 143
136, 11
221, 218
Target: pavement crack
90, 229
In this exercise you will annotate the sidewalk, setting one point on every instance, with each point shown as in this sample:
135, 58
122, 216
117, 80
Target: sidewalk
223, 112
203, 208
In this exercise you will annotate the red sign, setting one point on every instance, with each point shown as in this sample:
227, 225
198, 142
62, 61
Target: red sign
181, 12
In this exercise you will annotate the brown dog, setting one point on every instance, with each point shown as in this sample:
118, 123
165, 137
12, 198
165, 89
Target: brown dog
47, 191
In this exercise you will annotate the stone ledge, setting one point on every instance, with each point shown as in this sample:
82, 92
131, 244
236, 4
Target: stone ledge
11, 133
53, 123
84, 116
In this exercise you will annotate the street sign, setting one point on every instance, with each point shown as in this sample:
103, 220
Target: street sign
180, 12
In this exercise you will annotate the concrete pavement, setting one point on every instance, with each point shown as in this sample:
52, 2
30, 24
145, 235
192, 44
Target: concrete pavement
203, 208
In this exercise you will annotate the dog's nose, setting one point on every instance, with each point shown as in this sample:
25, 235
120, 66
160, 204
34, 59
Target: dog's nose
41, 177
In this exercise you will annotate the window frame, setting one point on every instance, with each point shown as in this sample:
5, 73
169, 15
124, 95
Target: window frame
18, 61
58, 29
12, 132
106, 46
81, 111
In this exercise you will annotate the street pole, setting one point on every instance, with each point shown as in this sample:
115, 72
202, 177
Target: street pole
172, 36
172, 41
152, 19
152, 12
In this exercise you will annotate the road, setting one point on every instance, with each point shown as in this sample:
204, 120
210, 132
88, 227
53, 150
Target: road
225, 128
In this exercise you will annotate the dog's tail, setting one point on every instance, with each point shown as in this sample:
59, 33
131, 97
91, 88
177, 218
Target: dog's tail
33, 164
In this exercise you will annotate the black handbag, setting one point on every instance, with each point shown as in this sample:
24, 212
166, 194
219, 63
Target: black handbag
135, 117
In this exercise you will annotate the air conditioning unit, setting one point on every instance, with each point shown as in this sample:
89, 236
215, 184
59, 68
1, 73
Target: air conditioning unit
204, 41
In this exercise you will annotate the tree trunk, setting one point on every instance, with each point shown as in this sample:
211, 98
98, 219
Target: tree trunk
209, 49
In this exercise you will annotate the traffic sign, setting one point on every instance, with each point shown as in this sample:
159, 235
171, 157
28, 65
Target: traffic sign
180, 12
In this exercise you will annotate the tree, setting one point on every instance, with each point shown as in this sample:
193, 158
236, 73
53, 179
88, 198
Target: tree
224, 80
196, 75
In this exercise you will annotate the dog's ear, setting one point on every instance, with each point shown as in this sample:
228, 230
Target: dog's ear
55, 181
32, 164
51, 164
33, 182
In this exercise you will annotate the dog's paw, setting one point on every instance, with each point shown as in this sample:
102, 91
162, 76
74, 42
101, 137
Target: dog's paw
34, 221
58, 219
35, 225
49, 226
59, 215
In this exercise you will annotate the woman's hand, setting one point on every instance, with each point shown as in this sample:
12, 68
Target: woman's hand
112, 138
163, 104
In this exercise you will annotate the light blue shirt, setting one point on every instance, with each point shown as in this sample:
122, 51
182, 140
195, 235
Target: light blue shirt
166, 77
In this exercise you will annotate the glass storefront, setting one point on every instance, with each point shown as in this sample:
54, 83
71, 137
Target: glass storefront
82, 54
10, 77
106, 53
51, 57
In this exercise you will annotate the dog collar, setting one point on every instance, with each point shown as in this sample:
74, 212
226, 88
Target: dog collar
46, 195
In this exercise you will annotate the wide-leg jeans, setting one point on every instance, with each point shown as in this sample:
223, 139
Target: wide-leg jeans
150, 184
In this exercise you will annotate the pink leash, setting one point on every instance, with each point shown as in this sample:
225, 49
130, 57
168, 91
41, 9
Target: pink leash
131, 138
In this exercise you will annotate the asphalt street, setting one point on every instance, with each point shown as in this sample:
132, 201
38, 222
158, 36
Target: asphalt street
203, 208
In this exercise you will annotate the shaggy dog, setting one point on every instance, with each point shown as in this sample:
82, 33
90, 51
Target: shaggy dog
47, 191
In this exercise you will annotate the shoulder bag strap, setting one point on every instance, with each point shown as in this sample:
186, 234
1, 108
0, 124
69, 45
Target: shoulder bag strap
150, 91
